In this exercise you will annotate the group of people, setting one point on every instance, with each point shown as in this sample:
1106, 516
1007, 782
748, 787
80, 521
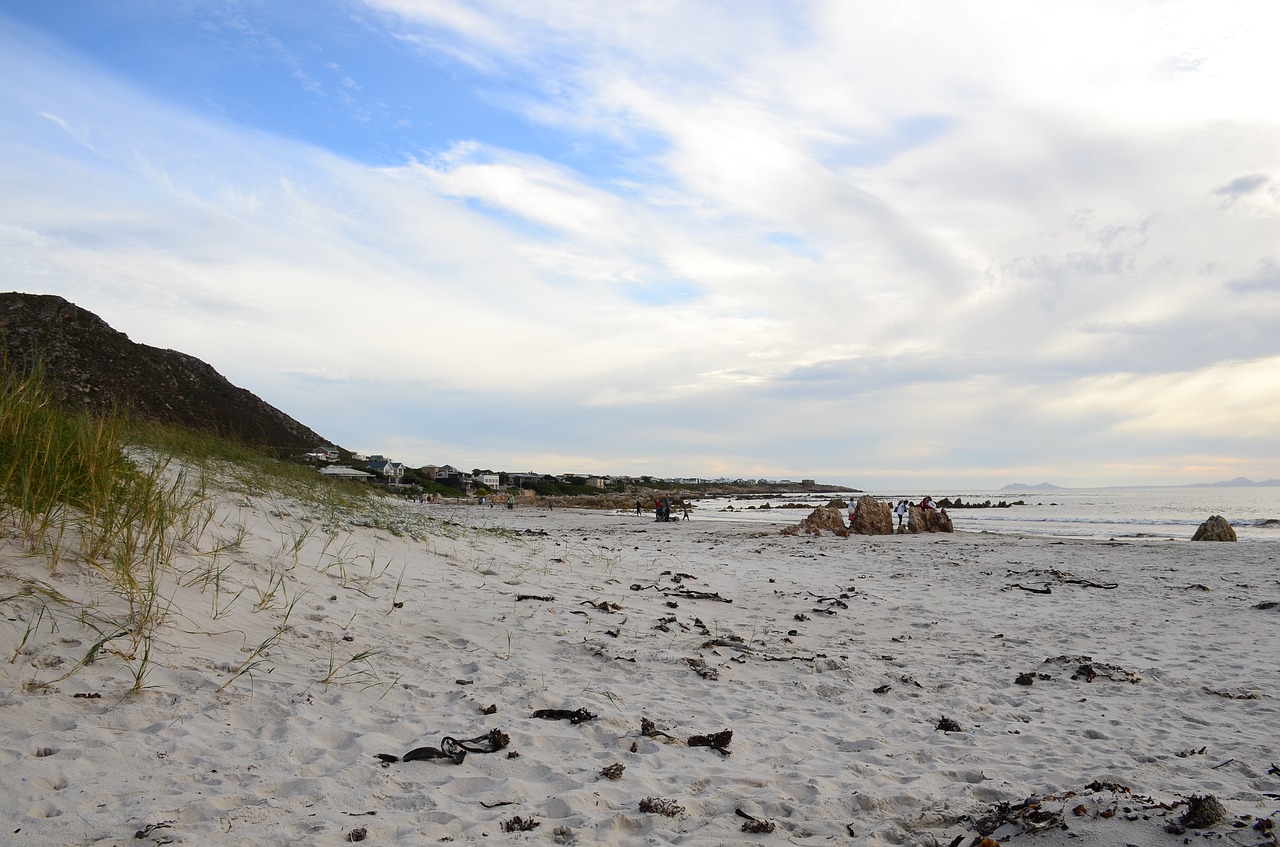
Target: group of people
902, 509
662, 509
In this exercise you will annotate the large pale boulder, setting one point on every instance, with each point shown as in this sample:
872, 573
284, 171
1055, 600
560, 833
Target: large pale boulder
822, 519
1215, 528
873, 517
928, 520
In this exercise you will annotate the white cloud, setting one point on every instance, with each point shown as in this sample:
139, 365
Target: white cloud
793, 240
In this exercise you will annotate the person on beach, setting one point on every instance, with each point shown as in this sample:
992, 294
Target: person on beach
901, 512
511, 501
637, 508
928, 504
686, 512
853, 511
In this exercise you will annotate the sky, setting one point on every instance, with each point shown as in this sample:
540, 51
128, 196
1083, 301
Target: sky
934, 244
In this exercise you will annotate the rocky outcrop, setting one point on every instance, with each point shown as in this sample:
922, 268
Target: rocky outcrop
821, 519
1215, 528
873, 517
928, 520
89, 365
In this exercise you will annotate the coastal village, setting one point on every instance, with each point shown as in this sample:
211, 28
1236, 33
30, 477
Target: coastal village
449, 481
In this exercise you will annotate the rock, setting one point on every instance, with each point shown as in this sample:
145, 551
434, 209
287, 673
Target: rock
874, 517
928, 520
826, 518
1215, 528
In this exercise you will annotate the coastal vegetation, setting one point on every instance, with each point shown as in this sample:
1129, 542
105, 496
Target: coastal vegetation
122, 513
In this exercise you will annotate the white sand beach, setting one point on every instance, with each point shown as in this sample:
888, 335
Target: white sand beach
293, 653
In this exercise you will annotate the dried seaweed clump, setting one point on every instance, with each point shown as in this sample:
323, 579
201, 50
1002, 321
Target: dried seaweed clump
613, 771
1203, 812
718, 741
519, 824
661, 806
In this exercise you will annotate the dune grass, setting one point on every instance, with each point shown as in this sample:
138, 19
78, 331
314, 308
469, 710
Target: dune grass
119, 500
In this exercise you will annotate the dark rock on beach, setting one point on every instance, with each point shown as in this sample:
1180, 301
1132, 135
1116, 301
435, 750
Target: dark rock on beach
1215, 528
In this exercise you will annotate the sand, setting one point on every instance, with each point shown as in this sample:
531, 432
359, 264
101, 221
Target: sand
1148, 669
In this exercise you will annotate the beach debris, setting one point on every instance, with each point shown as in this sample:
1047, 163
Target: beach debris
649, 730
563, 835
519, 824
1266, 604
1045, 590
1183, 754
613, 771
448, 749
360, 833
152, 827
718, 741
946, 724
574, 716
1203, 811
491, 709
539, 597
754, 824
1057, 576
1027, 815
1215, 528
1237, 694
661, 806
1089, 670
603, 606
882, 689
451, 748
703, 669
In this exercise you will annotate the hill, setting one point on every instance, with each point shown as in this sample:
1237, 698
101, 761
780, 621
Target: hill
1022, 486
89, 364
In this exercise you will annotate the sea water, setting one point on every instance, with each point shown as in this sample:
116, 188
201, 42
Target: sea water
1100, 513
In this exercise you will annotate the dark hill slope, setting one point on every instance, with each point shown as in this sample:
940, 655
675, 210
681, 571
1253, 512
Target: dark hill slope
88, 363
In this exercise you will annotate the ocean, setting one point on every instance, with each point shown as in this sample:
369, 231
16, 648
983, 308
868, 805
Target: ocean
1102, 513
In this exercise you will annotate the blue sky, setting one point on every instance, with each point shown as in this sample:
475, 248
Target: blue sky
938, 245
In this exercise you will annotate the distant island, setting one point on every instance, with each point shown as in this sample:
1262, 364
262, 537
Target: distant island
1022, 486
1238, 482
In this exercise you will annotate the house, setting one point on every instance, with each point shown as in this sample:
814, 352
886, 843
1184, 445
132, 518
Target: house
392, 471
520, 480
327, 453
488, 479
339, 472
